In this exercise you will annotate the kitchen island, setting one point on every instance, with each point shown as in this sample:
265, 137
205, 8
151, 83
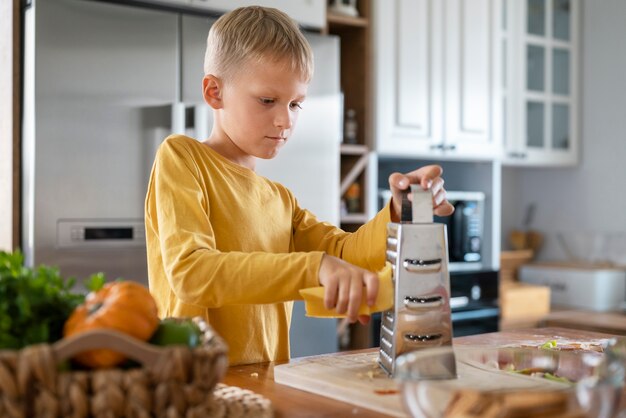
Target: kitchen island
294, 403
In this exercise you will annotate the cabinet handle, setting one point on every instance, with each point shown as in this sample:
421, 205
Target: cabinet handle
450, 147
515, 154
437, 146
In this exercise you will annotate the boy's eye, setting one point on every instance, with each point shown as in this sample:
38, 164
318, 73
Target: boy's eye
266, 100
295, 105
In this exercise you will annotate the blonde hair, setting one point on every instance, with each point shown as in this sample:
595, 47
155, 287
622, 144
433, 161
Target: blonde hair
256, 33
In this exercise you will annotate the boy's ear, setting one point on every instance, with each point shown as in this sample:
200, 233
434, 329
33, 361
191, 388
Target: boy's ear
212, 91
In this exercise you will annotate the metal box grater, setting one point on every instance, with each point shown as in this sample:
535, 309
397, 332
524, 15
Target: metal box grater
417, 250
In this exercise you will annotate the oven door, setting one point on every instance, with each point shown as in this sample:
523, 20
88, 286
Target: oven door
474, 302
475, 321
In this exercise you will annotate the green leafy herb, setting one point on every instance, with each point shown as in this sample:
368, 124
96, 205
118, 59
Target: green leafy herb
561, 379
95, 282
34, 302
538, 372
548, 345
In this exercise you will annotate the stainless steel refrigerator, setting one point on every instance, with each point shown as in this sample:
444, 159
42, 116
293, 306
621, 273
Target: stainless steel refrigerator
104, 84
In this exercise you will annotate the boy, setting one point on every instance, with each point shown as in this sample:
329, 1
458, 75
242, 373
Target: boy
232, 246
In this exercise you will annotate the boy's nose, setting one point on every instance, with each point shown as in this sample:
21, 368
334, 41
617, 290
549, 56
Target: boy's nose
283, 119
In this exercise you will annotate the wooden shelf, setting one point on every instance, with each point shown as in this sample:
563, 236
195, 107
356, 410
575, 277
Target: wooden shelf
351, 173
355, 37
341, 20
354, 149
354, 218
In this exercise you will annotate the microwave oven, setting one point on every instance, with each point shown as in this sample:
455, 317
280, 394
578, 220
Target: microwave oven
464, 228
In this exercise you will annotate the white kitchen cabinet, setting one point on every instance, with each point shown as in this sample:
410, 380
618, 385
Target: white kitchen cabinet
540, 90
437, 88
471, 52
409, 76
308, 13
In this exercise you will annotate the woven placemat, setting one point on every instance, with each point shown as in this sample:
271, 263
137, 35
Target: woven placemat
235, 402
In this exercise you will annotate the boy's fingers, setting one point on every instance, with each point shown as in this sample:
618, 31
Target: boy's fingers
356, 293
342, 297
371, 287
446, 209
399, 181
424, 176
364, 319
437, 185
330, 297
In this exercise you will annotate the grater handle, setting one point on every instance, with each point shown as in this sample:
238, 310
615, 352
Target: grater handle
407, 209
422, 205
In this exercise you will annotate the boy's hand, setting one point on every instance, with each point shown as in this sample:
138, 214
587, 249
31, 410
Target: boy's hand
429, 177
343, 287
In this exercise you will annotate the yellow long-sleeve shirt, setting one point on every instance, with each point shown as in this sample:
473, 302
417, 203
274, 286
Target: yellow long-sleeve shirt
235, 248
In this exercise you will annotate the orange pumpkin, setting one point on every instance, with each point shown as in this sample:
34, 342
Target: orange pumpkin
126, 307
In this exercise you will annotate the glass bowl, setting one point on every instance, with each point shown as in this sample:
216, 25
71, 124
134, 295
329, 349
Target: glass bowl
511, 382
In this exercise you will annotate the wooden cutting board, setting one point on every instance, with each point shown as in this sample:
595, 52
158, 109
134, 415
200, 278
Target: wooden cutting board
357, 379
352, 378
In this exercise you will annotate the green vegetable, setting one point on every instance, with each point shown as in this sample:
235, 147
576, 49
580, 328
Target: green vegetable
95, 282
174, 331
548, 345
538, 372
34, 302
561, 379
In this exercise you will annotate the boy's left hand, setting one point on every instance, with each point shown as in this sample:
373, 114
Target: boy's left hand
429, 177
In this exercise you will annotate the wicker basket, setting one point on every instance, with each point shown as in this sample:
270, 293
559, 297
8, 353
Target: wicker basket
172, 382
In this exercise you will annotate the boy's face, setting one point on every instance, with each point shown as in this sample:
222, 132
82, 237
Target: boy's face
259, 110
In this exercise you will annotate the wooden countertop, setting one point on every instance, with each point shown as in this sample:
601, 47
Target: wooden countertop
606, 322
293, 403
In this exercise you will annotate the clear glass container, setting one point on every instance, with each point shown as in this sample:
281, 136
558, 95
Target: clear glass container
512, 382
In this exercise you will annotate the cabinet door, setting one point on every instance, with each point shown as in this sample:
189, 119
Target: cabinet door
409, 76
470, 78
308, 13
547, 87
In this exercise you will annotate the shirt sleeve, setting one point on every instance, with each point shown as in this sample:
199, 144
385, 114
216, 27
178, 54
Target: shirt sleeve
365, 248
200, 274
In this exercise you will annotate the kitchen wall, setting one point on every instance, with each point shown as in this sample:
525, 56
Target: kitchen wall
592, 195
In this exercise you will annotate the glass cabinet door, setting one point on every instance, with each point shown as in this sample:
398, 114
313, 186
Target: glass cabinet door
548, 63
561, 16
536, 17
560, 71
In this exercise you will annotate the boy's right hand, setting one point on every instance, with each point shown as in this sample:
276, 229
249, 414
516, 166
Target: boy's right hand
343, 287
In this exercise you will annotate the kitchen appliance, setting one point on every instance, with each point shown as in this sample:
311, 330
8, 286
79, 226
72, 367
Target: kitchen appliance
104, 84
417, 251
474, 302
576, 285
464, 228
